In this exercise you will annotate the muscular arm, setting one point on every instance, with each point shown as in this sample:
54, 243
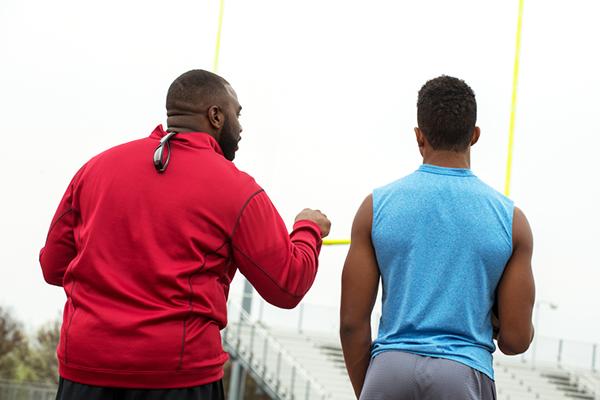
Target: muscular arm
360, 280
516, 291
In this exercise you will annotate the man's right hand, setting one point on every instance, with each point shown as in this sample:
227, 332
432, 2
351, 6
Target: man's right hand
318, 218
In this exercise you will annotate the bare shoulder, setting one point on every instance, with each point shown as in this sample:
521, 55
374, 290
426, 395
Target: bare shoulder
364, 218
522, 234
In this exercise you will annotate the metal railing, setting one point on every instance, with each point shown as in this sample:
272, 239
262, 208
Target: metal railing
306, 317
562, 354
267, 361
577, 359
581, 359
556, 352
12, 390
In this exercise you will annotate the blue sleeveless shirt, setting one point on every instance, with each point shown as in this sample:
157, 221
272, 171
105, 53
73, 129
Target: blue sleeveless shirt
442, 238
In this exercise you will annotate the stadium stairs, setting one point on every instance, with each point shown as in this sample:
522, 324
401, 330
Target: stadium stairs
292, 365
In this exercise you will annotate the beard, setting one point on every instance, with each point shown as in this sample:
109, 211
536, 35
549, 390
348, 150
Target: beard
229, 139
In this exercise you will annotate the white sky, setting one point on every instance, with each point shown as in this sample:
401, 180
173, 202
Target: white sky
329, 91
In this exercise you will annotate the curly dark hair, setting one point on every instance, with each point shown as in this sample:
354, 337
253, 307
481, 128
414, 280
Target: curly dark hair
446, 113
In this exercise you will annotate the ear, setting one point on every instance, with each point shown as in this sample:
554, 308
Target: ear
215, 117
475, 135
420, 137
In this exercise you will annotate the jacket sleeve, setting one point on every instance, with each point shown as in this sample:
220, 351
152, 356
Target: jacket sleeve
281, 266
60, 248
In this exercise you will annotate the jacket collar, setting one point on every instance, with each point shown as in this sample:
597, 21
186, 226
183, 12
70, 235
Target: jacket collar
200, 140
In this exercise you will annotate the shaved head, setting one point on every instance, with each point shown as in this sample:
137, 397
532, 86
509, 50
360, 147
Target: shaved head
200, 101
194, 90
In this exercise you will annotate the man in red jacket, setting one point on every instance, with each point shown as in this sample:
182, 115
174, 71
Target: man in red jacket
146, 241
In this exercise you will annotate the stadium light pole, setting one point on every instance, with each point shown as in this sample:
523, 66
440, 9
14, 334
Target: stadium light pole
536, 325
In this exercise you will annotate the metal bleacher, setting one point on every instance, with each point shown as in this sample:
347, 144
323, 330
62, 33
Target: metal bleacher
291, 363
268, 360
514, 381
12, 390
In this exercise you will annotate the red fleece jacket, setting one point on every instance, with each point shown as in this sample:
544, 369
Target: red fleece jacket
146, 260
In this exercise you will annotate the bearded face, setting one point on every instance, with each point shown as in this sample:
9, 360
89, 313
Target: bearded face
230, 136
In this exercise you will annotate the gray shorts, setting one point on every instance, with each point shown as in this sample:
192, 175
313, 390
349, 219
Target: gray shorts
396, 375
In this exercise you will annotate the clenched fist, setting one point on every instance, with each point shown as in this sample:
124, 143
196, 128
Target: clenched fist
318, 218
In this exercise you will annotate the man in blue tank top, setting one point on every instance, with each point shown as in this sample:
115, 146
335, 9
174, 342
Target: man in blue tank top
454, 258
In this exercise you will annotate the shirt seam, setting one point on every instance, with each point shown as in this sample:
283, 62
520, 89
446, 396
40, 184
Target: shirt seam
239, 217
56, 222
191, 302
261, 269
134, 372
470, 175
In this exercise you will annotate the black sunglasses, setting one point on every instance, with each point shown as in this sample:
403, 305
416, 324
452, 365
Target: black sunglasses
159, 163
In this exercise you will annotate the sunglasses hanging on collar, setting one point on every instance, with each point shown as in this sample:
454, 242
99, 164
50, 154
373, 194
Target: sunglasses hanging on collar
159, 162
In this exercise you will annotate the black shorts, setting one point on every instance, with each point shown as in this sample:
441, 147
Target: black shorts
69, 390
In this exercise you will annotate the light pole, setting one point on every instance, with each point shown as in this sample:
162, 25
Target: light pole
536, 325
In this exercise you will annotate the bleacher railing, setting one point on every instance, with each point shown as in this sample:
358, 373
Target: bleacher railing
581, 359
269, 363
307, 317
563, 354
11, 390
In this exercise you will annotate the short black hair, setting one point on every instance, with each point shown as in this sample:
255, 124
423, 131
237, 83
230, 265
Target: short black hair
447, 113
193, 88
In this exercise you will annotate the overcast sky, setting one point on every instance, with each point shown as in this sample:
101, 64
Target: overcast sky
329, 91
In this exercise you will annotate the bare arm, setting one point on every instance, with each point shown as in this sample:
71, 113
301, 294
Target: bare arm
360, 280
516, 291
